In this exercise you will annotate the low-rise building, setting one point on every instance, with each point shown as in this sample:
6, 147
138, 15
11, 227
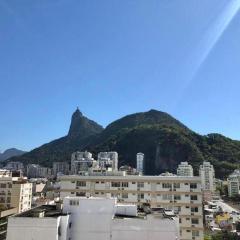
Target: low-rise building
92, 218
183, 195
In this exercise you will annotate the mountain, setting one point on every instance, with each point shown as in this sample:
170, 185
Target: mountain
81, 131
10, 153
164, 140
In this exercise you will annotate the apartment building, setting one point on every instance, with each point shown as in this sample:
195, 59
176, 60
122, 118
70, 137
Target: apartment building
81, 161
92, 218
140, 163
207, 174
37, 171
181, 194
21, 195
234, 183
185, 169
108, 159
60, 168
15, 192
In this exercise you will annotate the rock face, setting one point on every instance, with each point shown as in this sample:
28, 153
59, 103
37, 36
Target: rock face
164, 140
11, 152
82, 126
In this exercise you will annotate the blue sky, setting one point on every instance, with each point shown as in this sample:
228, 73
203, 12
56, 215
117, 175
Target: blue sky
113, 58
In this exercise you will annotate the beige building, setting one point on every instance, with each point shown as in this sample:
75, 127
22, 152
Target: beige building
181, 194
15, 192
21, 195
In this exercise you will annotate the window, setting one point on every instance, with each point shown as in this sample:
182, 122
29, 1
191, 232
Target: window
72, 181
194, 197
186, 183
141, 196
194, 209
195, 233
74, 202
180, 220
115, 184
124, 195
177, 209
3, 185
193, 185
177, 197
81, 194
140, 184
166, 185
81, 184
125, 184
195, 221
133, 182
167, 197
176, 185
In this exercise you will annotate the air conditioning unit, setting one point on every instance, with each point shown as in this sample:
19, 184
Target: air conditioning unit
192, 201
174, 190
192, 214
193, 225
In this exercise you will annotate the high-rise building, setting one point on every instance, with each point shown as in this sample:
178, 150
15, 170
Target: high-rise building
234, 183
37, 171
60, 168
81, 162
108, 160
185, 169
180, 194
14, 166
140, 162
207, 174
15, 192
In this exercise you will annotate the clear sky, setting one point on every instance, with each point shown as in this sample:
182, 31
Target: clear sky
115, 57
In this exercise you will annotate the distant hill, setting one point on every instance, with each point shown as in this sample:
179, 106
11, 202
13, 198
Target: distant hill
10, 153
164, 140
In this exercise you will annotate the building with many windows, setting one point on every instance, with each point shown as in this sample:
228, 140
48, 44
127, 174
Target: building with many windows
15, 192
140, 163
234, 183
108, 160
185, 169
60, 168
207, 174
181, 194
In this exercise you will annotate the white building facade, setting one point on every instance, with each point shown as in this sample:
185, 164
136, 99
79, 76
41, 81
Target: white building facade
140, 162
91, 219
181, 194
234, 183
185, 169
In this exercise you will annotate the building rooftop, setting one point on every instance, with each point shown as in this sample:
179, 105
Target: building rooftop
42, 212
